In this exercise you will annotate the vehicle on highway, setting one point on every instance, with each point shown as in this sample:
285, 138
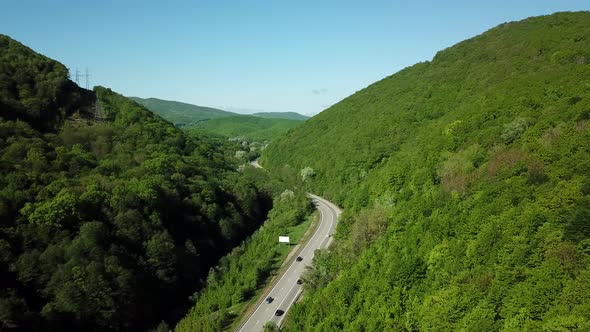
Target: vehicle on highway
269, 299
299, 258
299, 281
279, 312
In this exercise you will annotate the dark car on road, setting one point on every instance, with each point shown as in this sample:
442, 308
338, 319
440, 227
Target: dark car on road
269, 299
299, 281
299, 258
279, 312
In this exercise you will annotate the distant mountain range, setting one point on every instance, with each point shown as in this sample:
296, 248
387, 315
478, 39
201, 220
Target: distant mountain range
258, 126
181, 114
252, 127
282, 115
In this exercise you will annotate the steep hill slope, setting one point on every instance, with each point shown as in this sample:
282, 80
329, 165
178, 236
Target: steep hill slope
181, 114
534, 69
282, 115
466, 181
110, 217
252, 127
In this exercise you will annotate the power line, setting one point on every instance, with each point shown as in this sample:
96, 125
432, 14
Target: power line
87, 79
77, 76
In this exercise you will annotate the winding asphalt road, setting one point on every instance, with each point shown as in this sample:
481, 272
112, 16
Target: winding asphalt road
286, 290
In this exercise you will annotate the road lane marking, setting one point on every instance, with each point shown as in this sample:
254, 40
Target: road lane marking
290, 304
286, 297
331, 220
309, 243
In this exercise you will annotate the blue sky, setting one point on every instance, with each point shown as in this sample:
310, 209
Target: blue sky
244, 55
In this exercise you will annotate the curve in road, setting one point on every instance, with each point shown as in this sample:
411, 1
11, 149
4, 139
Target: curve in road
287, 290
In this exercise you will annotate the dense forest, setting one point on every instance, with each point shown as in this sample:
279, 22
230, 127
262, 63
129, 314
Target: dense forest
110, 217
466, 187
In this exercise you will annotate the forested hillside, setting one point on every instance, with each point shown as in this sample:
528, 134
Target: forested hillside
466, 187
110, 217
